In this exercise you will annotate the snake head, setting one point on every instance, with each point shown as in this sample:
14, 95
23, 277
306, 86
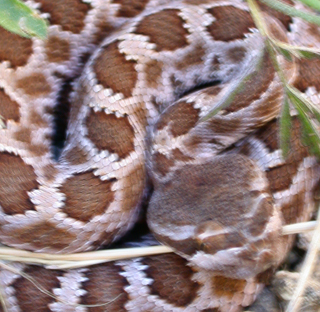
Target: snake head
219, 215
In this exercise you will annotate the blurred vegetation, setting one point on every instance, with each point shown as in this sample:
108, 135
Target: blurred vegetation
20, 19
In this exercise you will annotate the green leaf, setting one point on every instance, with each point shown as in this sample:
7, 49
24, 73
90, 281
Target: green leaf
308, 105
297, 51
308, 112
291, 11
235, 88
314, 4
18, 18
285, 128
310, 134
287, 54
308, 54
257, 17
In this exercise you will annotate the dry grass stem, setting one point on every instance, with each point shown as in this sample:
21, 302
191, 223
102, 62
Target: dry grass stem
299, 228
306, 269
85, 259
2, 300
67, 261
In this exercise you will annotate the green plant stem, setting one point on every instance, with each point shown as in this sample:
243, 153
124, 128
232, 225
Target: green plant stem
314, 4
291, 11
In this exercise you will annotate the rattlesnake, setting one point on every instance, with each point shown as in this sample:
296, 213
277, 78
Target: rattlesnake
222, 190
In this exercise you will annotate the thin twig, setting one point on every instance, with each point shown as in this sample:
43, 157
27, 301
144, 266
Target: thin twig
51, 294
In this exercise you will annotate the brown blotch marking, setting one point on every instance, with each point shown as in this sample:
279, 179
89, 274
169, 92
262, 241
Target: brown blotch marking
38, 149
9, 109
87, 196
227, 287
133, 186
130, 8
141, 112
29, 297
178, 155
255, 86
231, 23
314, 31
14, 48
220, 125
153, 71
70, 14
36, 119
280, 177
293, 210
105, 29
245, 149
23, 135
165, 29
214, 90
194, 141
36, 84
308, 74
268, 134
76, 156
161, 163
194, 57
111, 133
237, 54
105, 285
57, 50
16, 179
42, 235
114, 71
181, 116
172, 279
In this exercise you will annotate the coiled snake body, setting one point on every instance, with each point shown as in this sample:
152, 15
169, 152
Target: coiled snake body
222, 189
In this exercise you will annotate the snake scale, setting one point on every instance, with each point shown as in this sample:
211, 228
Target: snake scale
153, 72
